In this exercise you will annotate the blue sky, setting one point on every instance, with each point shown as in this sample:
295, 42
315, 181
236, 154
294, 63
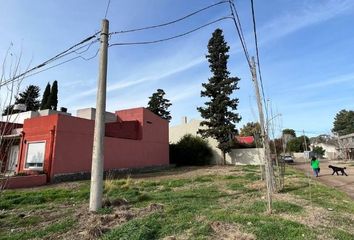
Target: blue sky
305, 47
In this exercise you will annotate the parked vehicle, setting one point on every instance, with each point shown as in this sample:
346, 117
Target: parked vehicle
287, 159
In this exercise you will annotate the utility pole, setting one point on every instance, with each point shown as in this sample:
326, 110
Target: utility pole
305, 147
268, 166
96, 190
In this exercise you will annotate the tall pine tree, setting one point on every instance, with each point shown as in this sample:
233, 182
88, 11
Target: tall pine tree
29, 97
159, 105
219, 115
53, 97
44, 102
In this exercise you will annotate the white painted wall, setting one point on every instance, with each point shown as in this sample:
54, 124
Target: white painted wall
247, 156
19, 117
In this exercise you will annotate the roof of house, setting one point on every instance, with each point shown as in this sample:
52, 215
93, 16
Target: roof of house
245, 140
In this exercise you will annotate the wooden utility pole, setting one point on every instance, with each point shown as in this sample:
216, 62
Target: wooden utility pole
268, 163
96, 190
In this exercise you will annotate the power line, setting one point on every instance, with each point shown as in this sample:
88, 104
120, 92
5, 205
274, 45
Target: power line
109, 2
169, 38
171, 22
56, 57
61, 63
257, 55
239, 31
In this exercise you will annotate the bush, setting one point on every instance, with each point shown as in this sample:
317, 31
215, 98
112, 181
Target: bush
190, 150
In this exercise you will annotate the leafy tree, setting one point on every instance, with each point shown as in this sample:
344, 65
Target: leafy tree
344, 122
191, 150
159, 105
29, 97
53, 97
289, 131
250, 129
298, 144
278, 143
46, 94
218, 112
319, 151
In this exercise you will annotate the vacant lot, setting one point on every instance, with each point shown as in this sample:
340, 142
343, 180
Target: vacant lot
185, 203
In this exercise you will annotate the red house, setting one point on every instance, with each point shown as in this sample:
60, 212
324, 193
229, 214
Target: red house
60, 146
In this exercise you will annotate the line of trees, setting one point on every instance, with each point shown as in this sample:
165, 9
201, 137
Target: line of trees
29, 97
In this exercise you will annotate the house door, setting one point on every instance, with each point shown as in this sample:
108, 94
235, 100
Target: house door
13, 158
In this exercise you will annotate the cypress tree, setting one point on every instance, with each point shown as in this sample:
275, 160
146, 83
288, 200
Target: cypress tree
159, 105
219, 111
44, 102
53, 97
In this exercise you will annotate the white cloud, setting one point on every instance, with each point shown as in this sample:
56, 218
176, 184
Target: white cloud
309, 15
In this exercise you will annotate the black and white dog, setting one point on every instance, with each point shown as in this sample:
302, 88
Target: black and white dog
338, 169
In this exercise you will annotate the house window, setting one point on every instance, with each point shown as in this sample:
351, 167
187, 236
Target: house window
35, 155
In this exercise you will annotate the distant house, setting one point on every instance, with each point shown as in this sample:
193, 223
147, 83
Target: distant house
60, 145
246, 140
236, 156
346, 146
328, 143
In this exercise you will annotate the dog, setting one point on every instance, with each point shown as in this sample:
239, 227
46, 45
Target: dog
338, 169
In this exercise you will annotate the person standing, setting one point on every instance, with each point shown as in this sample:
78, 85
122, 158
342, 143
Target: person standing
315, 164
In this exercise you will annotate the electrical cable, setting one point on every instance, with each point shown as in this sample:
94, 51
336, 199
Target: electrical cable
66, 61
171, 22
257, 55
56, 57
105, 15
240, 33
169, 38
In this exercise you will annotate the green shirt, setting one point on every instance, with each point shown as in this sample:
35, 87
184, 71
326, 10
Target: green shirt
315, 164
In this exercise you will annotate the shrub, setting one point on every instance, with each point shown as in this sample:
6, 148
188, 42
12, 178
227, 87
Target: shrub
191, 150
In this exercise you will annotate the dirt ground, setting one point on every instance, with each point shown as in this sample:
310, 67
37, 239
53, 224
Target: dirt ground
343, 183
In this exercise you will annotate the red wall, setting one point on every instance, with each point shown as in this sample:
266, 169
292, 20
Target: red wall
38, 129
23, 181
126, 129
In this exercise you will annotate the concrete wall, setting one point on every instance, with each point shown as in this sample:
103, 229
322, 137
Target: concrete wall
237, 156
247, 156
47, 112
90, 114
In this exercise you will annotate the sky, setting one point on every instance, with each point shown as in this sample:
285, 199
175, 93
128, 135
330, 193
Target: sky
305, 49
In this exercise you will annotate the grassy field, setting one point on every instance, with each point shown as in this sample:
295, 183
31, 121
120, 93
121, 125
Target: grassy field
187, 203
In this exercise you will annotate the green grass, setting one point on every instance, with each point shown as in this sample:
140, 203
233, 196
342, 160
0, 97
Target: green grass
57, 227
190, 205
16, 198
